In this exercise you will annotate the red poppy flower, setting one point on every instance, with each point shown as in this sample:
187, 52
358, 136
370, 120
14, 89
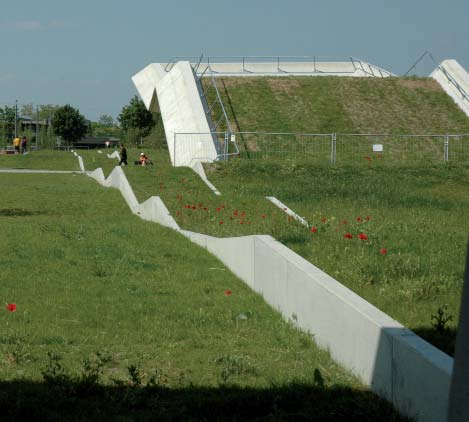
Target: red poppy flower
368, 218
205, 209
249, 222
218, 209
359, 219
241, 222
235, 212
363, 236
228, 292
194, 207
314, 229
323, 219
11, 307
383, 251
201, 205
348, 236
221, 222
243, 214
368, 158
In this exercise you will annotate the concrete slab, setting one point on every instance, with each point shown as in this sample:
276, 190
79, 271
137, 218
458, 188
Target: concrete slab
454, 79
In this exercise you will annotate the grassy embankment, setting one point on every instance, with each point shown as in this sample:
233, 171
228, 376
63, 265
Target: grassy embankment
417, 213
118, 318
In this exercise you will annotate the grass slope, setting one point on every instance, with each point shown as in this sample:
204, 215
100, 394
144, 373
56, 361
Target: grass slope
339, 104
120, 318
418, 214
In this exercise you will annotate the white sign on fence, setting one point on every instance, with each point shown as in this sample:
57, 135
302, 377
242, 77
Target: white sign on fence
377, 147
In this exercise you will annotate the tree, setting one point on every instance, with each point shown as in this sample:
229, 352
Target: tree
136, 118
69, 123
106, 120
27, 110
8, 116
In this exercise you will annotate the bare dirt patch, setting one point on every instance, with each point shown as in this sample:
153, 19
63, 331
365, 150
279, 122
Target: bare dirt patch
427, 84
283, 85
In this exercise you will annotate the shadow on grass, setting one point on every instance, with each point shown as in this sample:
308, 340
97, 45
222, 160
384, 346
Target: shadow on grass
18, 212
74, 401
443, 340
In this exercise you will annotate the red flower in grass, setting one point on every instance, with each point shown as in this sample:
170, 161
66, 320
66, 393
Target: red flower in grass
221, 222
359, 219
323, 219
348, 236
201, 205
383, 251
314, 229
11, 307
228, 292
235, 212
363, 236
368, 218
194, 207
205, 209
368, 158
248, 222
218, 209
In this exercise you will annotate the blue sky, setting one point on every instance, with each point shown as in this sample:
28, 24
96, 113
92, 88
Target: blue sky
84, 53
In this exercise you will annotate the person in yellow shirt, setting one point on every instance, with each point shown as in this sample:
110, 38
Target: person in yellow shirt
17, 144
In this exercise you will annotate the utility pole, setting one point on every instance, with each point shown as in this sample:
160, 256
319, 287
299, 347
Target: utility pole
16, 118
37, 125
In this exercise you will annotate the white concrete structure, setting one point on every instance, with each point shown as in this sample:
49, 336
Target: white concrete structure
454, 79
182, 111
396, 363
282, 67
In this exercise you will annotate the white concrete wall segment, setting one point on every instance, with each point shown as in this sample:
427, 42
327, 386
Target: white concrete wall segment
182, 111
357, 68
115, 154
395, 362
118, 180
98, 175
454, 79
154, 209
197, 166
81, 164
146, 80
287, 210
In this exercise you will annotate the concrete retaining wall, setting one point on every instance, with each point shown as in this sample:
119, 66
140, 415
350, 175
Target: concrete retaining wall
454, 79
396, 363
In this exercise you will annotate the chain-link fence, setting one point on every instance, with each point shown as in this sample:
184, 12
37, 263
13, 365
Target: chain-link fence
333, 148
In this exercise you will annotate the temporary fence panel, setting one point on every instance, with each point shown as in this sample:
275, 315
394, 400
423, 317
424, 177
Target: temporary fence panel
258, 145
389, 149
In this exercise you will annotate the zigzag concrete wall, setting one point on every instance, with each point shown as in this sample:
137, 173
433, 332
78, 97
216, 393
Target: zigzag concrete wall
396, 363
454, 79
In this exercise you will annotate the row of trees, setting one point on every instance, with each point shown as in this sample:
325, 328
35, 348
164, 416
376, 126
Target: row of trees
134, 123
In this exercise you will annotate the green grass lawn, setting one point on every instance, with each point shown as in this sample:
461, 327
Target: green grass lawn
415, 220
118, 318
338, 104
41, 160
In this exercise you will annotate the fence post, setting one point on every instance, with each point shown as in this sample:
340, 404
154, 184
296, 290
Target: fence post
174, 150
226, 146
446, 148
333, 148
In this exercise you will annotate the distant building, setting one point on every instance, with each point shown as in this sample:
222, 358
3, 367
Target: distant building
97, 142
28, 124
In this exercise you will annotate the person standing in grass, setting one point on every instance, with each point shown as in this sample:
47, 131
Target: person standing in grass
24, 143
123, 155
16, 145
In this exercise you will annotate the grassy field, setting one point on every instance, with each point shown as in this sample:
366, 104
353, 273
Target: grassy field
120, 319
410, 263
41, 160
